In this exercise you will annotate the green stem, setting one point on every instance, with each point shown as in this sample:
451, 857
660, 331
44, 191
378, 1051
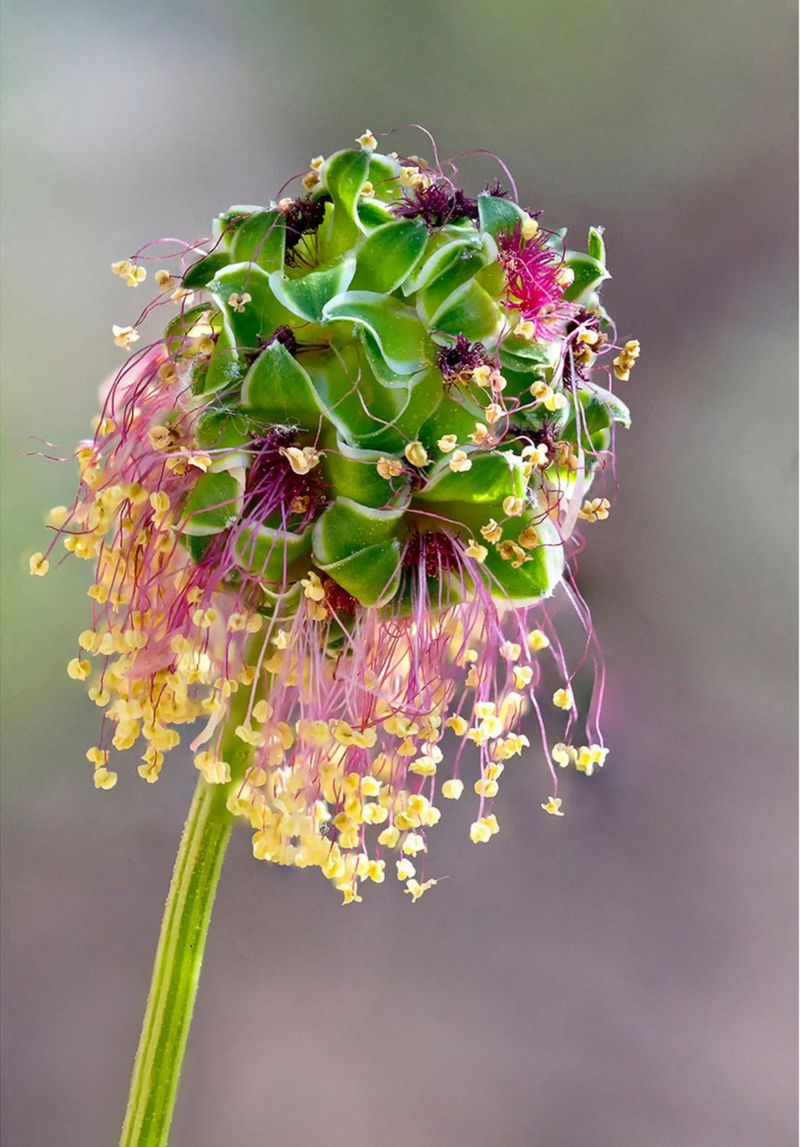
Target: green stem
176, 972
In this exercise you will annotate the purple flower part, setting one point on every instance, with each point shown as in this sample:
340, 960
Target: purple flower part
436, 205
534, 286
460, 358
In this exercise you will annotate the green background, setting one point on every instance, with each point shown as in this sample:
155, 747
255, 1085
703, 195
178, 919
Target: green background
623, 976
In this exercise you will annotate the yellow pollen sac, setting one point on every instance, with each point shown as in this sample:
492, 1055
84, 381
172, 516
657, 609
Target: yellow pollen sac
423, 767
595, 510
104, 778
525, 329
78, 670
480, 435
130, 272
367, 141
476, 551
562, 698
370, 786
405, 869
238, 302
553, 806
536, 455
511, 650
124, 337
389, 468
447, 443
537, 640
38, 564
89, 640
301, 460
458, 724
523, 675
460, 462
413, 844
563, 754
492, 532
416, 454
510, 552
479, 832
164, 281
374, 870
416, 890
452, 789
312, 587
57, 517
529, 538
375, 814
390, 837
486, 788
262, 711
97, 756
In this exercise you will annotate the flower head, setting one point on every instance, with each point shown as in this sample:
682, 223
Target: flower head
327, 507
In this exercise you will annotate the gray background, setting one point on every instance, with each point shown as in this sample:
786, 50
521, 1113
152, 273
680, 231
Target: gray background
623, 977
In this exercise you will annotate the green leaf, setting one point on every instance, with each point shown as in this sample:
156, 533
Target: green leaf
214, 504
388, 255
178, 328
204, 270
260, 239
371, 213
397, 329
498, 215
278, 389
589, 273
270, 553
306, 297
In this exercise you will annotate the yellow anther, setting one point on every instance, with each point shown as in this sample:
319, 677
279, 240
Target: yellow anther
452, 789
553, 806
413, 844
390, 837
511, 650
460, 462
367, 141
389, 467
130, 272
529, 538
491, 532
458, 725
301, 460
57, 517
537, 640
416, 890
405, 869
78, 670
104, 778
480, 435
124, 337
563, 699
237, 302
423, 766
523, 675
416, 454
525, 329
595, 510
313, 588
447, 443
38, 564
262, 711
476, 551
510, 552
486, 788
480, 832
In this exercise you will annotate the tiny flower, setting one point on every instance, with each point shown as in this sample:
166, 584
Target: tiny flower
164, 280
301, 459
38, 564
460, 462
562, 698
447, 443
367, 141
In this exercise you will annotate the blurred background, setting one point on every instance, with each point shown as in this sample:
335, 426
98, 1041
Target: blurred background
623, 977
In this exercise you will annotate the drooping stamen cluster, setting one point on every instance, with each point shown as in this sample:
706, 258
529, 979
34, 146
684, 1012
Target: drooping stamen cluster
327, 508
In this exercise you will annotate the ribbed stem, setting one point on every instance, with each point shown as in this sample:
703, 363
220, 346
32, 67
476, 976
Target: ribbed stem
176, 972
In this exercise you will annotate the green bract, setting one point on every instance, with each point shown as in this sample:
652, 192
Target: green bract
330, 316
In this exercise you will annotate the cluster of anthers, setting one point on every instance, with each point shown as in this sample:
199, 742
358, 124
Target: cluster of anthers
327, 505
